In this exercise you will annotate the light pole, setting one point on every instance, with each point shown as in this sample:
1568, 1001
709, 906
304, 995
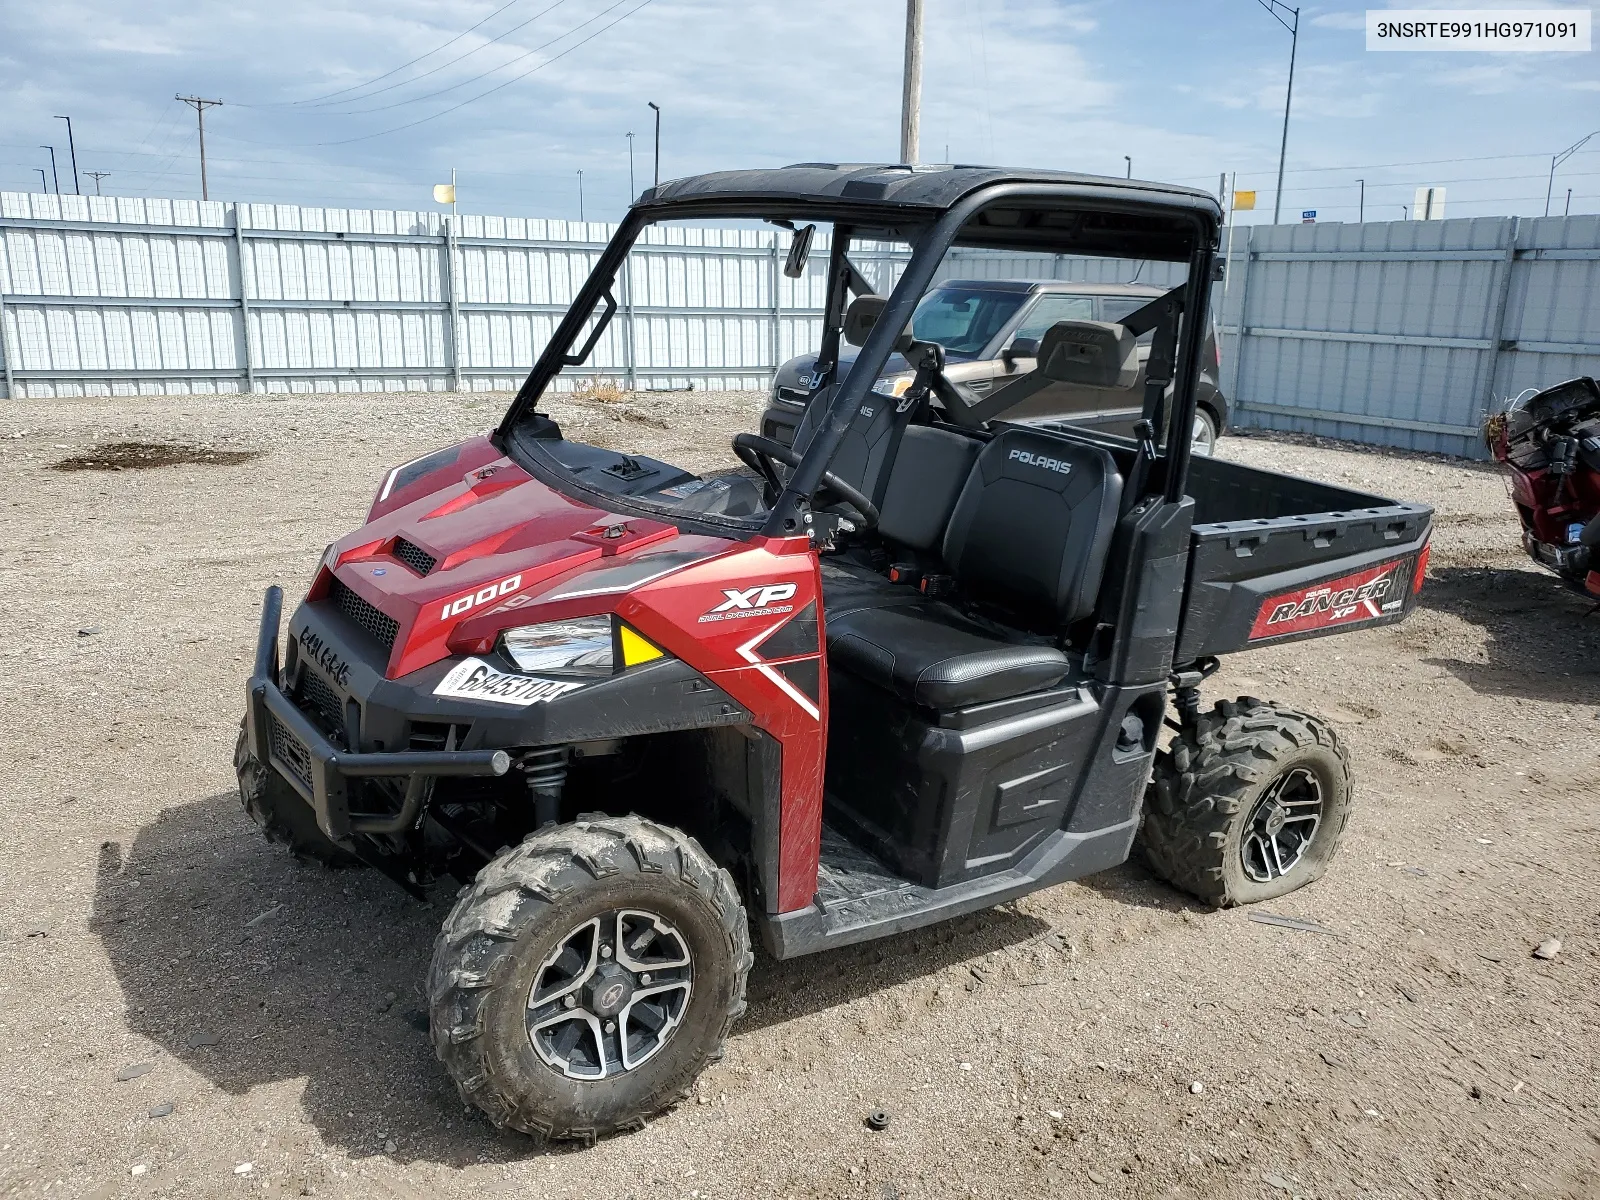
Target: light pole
53, 174
580, 197
657, 107
97, 176
1272, 6
1361, 211
1567, 212
631, 192
1129, 160
73, 148
1405, 213
44, 183
1557, 160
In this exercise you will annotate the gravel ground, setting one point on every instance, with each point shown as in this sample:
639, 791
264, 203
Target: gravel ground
1107, 1037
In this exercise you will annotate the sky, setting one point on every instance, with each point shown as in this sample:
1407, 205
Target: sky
338, 103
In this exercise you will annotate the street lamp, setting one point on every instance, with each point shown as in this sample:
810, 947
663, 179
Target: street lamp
1129, 161
580, 197
632, 195
1361, 211
657, 107
53, 174
73, 147
1272, 6
1557, 160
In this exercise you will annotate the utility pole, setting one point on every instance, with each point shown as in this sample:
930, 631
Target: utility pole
911, 94
657, 107
1361, 209
631, 193
580, 196
1272, 6
200, 107
1557, 159
57, 178
97, 176
73, 147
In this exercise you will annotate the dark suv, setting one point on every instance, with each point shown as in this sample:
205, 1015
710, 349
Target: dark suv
990, 331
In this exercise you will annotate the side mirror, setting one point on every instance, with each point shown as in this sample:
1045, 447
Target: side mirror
1100, 354
1022, 347
860, 318
799, 251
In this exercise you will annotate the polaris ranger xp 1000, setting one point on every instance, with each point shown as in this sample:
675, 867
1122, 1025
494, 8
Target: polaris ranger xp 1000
920, 663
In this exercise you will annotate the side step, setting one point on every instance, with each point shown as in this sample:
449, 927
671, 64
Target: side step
859, 898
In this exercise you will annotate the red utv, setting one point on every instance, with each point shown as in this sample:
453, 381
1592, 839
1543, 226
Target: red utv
922, 663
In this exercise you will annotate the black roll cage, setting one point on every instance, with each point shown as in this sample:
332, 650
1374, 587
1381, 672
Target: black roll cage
932, 232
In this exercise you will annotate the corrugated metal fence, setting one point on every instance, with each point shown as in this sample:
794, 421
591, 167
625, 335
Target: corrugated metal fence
1392, 333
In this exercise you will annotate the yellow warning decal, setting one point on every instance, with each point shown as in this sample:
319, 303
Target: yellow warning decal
636, 650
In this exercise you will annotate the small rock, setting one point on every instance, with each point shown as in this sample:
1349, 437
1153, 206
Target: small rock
1475, 1092
391, 1146
1414, 872
1353, 1020
164, 1109
89, 631
197, 1039
1406, 992
1485, 842
1196, 1088
1330, 1059
244, 1168
1055, 1114
966, 1066
1277, 1181
138, 1168
38, 931
1096, 1177
1548, 948
133, 1072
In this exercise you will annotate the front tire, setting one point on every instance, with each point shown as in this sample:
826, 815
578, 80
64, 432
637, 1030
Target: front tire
280, 813
1249, 805
588, 976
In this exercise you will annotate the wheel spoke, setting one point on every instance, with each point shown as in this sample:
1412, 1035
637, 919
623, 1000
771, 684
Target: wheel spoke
1276, 857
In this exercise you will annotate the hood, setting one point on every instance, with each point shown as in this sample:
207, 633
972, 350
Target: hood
446, 572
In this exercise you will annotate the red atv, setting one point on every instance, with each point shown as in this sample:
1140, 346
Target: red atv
920, 664
1549, 441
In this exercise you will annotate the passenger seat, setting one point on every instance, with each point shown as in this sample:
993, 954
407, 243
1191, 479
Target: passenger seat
1026, 541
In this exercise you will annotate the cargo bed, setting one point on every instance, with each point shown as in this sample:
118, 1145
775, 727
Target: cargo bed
1276, 558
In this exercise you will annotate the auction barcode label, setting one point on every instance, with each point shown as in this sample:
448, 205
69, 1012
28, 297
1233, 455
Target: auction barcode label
1503, 29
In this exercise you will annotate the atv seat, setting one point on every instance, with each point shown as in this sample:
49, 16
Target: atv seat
1026, 539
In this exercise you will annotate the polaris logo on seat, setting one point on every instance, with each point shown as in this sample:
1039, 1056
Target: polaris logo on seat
1029, 459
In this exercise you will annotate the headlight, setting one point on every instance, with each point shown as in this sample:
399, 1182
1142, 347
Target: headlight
894, 387
578, 647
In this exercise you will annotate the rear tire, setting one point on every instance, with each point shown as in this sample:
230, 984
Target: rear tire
1229, 815
281, 814
512, 930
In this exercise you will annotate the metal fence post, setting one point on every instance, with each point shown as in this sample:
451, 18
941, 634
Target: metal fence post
628, 350
5, 351
453, 343
776, 333
244, 304
1497, 330
1235, 400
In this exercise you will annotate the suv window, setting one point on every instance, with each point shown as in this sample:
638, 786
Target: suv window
963, 320
1051, 308
1115, 309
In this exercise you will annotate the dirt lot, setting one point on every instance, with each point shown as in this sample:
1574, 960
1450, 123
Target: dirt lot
1044, 1048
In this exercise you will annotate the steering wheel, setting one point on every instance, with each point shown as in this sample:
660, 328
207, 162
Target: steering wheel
759, 454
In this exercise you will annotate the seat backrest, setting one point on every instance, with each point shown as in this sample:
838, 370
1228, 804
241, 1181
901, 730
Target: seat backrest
930, 468
1032, 526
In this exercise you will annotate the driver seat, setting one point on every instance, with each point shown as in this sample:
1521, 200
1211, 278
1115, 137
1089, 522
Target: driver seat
1026, 543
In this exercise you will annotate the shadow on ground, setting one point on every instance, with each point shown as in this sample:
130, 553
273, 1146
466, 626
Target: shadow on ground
251, 968
1541, 640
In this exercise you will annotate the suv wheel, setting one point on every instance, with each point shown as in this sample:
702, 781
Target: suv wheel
587, 978
1203, 440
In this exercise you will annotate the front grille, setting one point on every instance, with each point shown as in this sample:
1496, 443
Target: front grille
414, 556
379, 625
290, 752
317, 697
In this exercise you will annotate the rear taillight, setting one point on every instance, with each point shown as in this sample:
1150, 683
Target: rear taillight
1422, 568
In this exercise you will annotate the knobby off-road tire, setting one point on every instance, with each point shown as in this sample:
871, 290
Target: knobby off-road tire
498, 943
1211, 782
280, 812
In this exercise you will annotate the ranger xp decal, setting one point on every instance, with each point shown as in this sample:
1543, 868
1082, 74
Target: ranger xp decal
765, 601
474, 679
1348, 600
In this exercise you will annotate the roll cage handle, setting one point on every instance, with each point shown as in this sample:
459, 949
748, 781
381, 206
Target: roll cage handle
582, 356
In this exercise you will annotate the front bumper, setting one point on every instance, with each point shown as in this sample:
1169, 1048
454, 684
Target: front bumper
281, 736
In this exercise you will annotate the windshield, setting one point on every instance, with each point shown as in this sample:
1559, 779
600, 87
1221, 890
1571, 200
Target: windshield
964, 319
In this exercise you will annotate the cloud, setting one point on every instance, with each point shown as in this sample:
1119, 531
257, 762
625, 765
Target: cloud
1352, 21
